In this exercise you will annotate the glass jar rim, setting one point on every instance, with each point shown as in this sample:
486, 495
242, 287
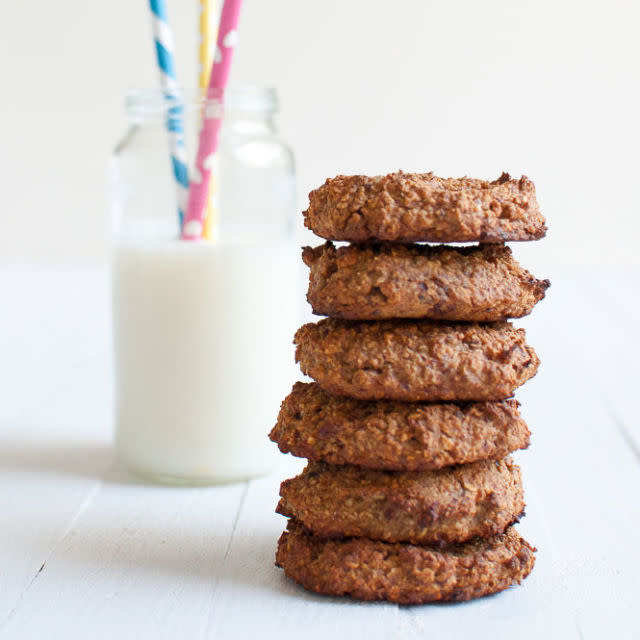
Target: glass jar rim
141, 102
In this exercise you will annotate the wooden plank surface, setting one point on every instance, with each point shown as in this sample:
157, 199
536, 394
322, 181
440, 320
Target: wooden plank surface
86, 550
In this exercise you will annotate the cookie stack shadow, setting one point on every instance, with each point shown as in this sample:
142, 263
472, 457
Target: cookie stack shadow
410, 494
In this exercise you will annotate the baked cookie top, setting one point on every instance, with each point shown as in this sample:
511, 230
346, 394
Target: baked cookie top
448, 505
404, 573
480, 283
415, 360
395, 435
421, 207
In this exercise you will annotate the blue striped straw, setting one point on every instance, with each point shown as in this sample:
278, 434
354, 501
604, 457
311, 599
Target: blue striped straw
175, 126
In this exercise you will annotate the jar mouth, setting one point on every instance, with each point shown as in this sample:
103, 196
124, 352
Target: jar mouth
142, 102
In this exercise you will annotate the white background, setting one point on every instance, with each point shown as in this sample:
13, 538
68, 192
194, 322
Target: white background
549, 88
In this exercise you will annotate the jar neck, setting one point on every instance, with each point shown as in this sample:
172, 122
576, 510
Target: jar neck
254, 107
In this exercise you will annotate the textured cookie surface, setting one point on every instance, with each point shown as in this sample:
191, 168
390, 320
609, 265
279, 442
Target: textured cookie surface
480, 283
415, 360
392, 435
420, 207
422, 507
404, 573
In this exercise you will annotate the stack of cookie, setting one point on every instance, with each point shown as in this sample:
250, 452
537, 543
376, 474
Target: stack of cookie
410, 494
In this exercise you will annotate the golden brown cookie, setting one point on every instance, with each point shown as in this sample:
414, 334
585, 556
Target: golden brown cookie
420, 207
415, 360
404, 573
481, 283
448, 505
396, 436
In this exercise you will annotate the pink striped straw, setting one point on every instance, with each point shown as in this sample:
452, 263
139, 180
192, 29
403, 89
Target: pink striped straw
211, 121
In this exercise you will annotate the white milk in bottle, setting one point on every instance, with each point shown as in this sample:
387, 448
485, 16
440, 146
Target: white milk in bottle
203, 349
203, 330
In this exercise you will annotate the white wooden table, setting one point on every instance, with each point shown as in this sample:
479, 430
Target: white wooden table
87, 551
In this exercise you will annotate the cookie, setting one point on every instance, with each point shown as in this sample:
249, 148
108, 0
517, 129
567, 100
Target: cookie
404, 573
415, 360
481, 283
420, 207
422, 507
395, 436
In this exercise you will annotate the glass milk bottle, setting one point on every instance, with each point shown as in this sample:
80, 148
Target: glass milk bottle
202, 330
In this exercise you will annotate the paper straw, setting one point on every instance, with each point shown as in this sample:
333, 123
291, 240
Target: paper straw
207, 41
205, 58
175, 126
211, 121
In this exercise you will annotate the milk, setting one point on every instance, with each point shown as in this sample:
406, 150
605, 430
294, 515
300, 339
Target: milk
203, 354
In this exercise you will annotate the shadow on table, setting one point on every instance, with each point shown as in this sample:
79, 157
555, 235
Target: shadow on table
89, 460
